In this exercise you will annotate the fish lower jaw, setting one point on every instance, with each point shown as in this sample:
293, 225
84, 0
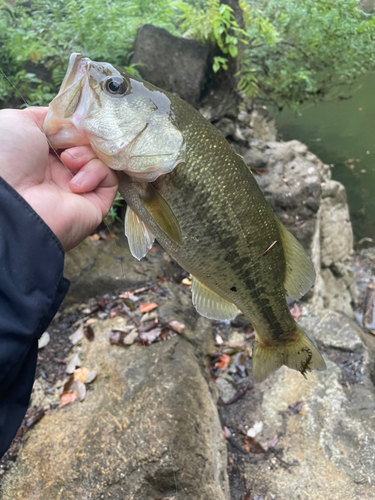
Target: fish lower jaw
64, 135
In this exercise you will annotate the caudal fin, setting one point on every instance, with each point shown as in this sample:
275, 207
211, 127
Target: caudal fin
300, 355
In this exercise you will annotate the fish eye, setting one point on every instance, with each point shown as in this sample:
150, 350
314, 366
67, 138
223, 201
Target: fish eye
115, 85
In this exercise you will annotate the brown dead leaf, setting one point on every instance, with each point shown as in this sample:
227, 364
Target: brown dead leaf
81, 374
176, 326
116, 337
89, 333
150, 336
68, 398
295, 311
251, 445
91, 321
148, 307
222, 364
294, 408
271, 444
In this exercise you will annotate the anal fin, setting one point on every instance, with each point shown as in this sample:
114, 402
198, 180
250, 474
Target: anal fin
299, 272
210, 304
140, 238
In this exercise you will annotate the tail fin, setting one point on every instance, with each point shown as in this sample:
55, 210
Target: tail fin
300, 355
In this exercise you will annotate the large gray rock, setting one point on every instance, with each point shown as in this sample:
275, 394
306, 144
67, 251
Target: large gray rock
292, 186
148, 429
175, 64
324, 449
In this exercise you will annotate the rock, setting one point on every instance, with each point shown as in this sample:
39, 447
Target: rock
95, 269
175, 64
336, 230
292, 186
325, 449
225, 388
264, 127
147, 429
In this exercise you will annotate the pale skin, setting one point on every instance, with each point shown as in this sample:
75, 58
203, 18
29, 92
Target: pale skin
73, 195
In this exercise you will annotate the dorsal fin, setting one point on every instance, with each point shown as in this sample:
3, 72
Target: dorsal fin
210, 304
140, 238
161, 212
299, 272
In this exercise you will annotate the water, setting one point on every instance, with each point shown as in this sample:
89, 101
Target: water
342, 134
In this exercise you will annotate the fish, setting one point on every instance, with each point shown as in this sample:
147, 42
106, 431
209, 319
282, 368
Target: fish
186, 186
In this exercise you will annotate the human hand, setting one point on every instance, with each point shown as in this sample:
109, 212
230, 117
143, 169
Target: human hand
72, 206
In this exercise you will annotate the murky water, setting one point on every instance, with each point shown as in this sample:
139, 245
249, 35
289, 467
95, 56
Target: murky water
342, 134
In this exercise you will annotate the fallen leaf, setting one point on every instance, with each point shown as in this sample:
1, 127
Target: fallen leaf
34, 416
295, 311
91, 321
176, 326
222, 364
94, 237
44, 340
251, 445
226, 432
149, 316
150, 336
81, 390
255, 429
73, 363
89, 333
68, 398
77, 336
148, 307
294, 408
271, 444
91, 377
101, 301
219, 340
131, 337
116, 337
80, 374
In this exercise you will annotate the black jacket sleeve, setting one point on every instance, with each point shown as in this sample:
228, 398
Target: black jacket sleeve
32, 288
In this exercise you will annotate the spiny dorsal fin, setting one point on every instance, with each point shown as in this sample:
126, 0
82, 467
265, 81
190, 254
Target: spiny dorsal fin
210, 304
140, 238
162, 214
299, 272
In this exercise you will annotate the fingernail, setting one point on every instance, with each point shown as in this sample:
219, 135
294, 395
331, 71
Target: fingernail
76, 153
79, 178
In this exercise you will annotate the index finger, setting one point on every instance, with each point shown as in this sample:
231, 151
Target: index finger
38, 114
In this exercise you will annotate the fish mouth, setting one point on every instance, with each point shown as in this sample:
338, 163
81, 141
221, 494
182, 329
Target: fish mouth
63, 124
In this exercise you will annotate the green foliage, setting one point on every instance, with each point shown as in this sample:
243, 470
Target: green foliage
321, 45
213, 22
286, 51
47, 32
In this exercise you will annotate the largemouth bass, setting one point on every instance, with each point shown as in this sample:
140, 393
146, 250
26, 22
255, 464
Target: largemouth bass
185, 185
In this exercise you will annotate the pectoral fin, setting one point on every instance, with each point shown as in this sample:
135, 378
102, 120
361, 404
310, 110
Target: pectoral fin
161, 212
140, 238
300, 272
210, 304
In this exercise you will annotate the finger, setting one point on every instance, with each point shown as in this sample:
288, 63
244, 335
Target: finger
91, 176
76, 158
38, 114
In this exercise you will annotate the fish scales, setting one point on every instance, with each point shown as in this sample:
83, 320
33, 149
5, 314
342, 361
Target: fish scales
187, 187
